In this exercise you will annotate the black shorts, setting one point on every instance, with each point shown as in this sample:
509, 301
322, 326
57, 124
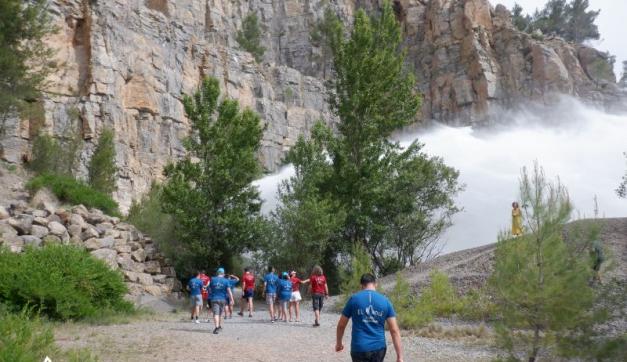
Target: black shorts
318, 301
370, 356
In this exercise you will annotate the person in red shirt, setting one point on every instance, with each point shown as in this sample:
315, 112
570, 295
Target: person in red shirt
296, 297
248, 292
205, 293
319, 291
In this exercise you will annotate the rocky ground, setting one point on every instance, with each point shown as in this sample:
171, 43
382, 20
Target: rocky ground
172, 337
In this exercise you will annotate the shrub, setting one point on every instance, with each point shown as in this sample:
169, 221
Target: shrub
249, 36
61, 282
69, 190
351, 277
148, 216
408, 315
477, 305
439, 298
102, 166
24, 338
51, 155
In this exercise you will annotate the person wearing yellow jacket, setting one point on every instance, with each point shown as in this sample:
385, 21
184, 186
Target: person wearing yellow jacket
517, 222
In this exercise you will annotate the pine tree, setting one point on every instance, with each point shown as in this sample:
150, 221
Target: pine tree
249, 37
541, 283
102, 167
580, 22
24, 57
209, 193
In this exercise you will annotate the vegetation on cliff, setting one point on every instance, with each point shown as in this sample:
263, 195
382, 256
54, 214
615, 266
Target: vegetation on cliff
102, 167
249, 36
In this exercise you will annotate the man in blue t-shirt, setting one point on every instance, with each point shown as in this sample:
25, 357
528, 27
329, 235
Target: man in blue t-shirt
195, 287
219, 293
369, 310
228, 308
270, 283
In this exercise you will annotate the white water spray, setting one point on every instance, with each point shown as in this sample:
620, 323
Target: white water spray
581, 145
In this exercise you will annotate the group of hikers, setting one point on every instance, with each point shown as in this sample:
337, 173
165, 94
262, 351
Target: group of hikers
368, 309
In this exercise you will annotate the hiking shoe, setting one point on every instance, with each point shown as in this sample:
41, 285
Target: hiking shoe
215, 331
220, 328
240, 314
250, 316
316, 324
197, 321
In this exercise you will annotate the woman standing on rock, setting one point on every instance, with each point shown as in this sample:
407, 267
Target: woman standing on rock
319, 291
517, 223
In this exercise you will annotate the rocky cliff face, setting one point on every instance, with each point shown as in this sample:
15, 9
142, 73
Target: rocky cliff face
126, 64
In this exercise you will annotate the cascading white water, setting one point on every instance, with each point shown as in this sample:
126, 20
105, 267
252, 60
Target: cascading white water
582, 145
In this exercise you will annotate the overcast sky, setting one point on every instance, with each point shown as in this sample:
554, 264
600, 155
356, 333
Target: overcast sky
612, 24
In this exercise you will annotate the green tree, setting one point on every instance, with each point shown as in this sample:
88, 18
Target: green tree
249, 37
571, 21
320, 36
102, 167
209, 193
540, 283
306, 220
623, 79
24, 57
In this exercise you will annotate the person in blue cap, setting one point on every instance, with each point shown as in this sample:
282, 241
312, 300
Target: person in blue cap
228, 308
285, 293
220, 291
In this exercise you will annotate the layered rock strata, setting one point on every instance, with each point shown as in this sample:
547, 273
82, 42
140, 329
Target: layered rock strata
126, 64
118, 244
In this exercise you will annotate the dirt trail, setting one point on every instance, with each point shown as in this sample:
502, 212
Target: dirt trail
172, 337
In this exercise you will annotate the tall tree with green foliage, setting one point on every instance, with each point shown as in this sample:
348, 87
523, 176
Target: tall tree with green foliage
389, 198
249, 37
321, 36
24, 57
209, 193
622, 188
541, 283
572, 21
102, 167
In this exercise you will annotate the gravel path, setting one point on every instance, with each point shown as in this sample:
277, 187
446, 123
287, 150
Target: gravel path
172, 337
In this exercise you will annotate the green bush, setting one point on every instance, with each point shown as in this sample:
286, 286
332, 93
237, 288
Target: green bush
351, 277
148, 216
69, 190
439, 298
249, 37
408, 314
24, 338
102, 166
477, 305
61, 282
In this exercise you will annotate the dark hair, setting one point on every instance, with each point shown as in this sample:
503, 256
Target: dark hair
367, 279
246, 270
203, 272
270, 269
198, 272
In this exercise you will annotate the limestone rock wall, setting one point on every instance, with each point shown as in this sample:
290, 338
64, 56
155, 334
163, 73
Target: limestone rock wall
126, 64
120, 245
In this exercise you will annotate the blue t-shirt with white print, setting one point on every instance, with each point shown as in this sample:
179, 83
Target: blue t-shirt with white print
218, 287
272, 281
369, 310
195, 286
285, 289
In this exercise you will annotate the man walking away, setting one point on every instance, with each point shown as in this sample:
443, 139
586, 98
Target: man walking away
219, 294
205, 292
248, 292
369, 311
228, 310
270, 283
195, 290
319, 292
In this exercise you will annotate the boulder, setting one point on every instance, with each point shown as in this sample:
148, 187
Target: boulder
139, 255
123, 248
125, 262
40, 213
7, 230
80, 210
38, 220
107, 255
159, 278
144, 279
135, 245
76, 219
152, 267
174, 284
4, 213
168, 271
30, 240
130, 276
22, 223
39, 231
153, 290
51, 239
90, 232
57, 228
106, 242
64, 215
91, 244
55, 218
75, 230
45, 199
103, 227
95, 217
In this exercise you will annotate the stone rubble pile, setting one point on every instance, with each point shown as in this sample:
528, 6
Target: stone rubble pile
117, 243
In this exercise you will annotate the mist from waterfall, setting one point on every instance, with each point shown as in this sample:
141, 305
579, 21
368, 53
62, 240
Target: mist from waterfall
582, 145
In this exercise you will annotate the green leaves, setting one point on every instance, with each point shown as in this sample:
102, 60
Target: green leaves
249, 36
209, 194
102, 167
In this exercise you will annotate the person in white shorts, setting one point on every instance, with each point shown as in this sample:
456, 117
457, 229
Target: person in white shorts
296, 297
